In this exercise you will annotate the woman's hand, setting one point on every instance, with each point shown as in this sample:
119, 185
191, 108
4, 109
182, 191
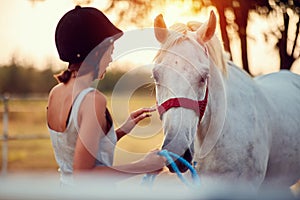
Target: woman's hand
153, 163
134, 118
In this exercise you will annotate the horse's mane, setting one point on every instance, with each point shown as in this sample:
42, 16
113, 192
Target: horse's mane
177, 34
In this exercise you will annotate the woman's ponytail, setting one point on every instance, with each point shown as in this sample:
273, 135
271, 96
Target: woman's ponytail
64, 76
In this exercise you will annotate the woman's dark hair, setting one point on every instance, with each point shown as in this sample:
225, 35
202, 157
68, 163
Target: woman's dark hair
65, 75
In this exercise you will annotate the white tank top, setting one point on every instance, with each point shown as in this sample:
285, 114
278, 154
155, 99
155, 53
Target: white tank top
64, 143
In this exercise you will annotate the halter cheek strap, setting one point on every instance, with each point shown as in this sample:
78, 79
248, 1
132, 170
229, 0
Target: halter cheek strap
197, 106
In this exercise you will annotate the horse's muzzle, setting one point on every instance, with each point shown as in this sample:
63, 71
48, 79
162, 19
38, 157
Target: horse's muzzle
182, 168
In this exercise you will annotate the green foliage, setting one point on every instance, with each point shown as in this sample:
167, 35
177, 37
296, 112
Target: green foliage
108, 84
23, 80
110, 80
17, 79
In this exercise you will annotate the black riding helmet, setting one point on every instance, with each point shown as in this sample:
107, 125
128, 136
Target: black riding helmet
80, 30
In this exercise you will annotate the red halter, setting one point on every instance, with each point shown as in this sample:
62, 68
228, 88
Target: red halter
197, 106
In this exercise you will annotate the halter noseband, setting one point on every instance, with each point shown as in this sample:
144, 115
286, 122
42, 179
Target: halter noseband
197, 106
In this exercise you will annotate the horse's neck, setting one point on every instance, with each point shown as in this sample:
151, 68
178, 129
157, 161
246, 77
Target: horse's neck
210, 128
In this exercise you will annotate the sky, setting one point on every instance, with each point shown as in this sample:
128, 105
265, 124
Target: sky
27, 30
27, 34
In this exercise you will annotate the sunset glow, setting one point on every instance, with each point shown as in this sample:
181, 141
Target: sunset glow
28, 32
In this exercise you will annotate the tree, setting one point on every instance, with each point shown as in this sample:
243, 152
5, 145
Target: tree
287, 9
131, 12
288, 45
235, 14
17, 78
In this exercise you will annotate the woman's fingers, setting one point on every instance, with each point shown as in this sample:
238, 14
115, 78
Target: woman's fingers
142, 111
155, 162
135, 117
141, 117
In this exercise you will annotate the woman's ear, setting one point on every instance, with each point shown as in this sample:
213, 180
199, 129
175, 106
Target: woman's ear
207, 30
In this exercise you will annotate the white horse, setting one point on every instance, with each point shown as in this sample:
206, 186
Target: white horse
237, 128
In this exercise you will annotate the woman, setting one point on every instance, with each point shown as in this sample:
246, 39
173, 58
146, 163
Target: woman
81, 129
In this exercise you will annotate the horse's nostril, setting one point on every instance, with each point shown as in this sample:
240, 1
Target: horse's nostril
182, 168
188, 156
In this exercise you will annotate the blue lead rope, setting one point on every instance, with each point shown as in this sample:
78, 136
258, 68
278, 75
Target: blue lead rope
149, 178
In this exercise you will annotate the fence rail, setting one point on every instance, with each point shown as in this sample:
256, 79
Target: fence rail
23, 137
5, 136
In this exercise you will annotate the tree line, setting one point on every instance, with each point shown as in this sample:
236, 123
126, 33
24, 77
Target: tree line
25, 80
18, 79
234, 15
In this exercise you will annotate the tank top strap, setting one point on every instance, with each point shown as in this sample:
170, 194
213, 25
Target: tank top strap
76, 105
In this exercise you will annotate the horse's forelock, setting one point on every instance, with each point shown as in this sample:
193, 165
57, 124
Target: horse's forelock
178, 33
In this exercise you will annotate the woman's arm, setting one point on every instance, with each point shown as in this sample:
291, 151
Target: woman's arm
151, 163
92, 122
134, 118
92, 127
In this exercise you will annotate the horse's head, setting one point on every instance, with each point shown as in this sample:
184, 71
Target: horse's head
181, 75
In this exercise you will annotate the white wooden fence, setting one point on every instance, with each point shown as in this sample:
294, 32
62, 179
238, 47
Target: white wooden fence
5, 137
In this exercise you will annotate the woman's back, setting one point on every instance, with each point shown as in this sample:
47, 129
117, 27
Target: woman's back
59, 107
65, 134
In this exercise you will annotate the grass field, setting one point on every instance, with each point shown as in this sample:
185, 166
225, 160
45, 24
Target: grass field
27, 118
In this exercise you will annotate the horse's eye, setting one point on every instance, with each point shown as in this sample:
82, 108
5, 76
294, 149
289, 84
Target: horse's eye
155, 75
202, 79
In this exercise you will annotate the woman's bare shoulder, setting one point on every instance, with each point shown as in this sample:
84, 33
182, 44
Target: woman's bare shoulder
56, 89
98, 96
56, 93
97, 99
92, 108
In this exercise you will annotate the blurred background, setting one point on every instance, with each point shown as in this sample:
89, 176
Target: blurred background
261, 36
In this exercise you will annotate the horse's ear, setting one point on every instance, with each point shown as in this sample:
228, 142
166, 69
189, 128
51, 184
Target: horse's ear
207, 30
160, 29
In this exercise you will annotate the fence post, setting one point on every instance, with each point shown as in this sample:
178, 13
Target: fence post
5, 136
